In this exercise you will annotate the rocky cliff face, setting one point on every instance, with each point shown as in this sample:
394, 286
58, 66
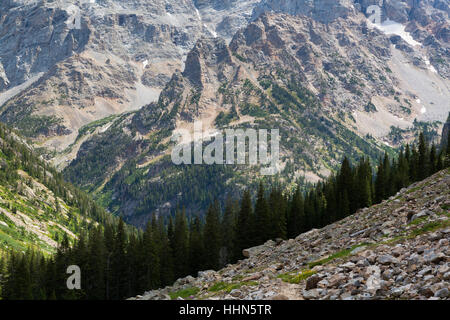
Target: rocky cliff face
117, 59
324, 11
398, 249
426, 21
60, 70
284, 72
33, 39
331, 89
57, 75
330, 80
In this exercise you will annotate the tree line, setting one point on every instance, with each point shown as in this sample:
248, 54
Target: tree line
117, 264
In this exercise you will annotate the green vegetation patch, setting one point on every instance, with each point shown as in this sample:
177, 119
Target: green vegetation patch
239, 57
419, 220
224, 118
229, 286
370, 107
7, 241
296, 278
32, 125
429, 227
341, 254
184, 293
90, 127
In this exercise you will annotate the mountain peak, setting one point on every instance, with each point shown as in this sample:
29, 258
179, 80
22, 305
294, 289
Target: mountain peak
207, 53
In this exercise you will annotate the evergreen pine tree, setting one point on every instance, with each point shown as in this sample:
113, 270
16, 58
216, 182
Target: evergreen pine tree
423, 165
277, 204
432, 160
345, 188
296, 217
167, 272
380, 183
212, 241
262, 217
180, 245
243, 235
118, 289
196, 246
96, 277
229, 224
150, 256
447, 152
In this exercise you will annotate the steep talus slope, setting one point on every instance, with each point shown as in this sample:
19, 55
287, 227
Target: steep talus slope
398, 249
37, 208
281, 72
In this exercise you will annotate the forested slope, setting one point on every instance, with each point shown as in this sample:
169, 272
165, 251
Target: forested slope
37, 207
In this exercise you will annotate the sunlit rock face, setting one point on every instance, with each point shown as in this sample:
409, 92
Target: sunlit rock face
122, 70
324, 11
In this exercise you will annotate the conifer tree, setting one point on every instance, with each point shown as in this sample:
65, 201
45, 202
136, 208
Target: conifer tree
96, 278
118, 289
296, 217
229, 224
150, 256
423, 165
363, 184
402, 170
180, 245
135, 267
167, 272
432, 160
380, 183
212, 241
243, 235
414, 164
277, 204
345, 188
263, 221
196, 246
171, 233
447, 152
331, 200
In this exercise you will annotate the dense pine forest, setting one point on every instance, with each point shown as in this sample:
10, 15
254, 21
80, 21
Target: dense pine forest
16, 155
117, 263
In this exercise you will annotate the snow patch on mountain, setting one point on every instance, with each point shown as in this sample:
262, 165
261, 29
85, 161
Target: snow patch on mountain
212, 32
391, 27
